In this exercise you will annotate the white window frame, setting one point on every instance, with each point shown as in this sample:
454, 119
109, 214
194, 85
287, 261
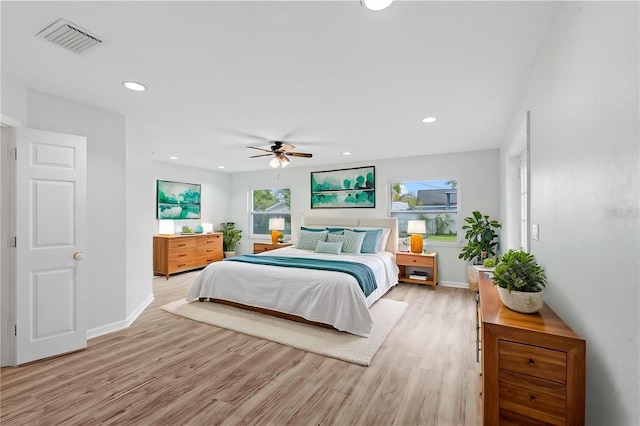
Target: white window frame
285, 215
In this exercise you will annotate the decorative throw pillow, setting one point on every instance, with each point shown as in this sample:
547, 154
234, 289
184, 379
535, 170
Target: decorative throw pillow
371, 240
338, 231
352, 241
309, 239
330, 248
304, 228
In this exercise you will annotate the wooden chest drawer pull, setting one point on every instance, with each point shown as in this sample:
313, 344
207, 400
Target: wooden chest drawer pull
532, 398
209, 260
182, 255
531, 362
210, 241
182, 245
182, 264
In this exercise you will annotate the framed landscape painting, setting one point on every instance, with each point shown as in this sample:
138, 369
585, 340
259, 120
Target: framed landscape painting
344, 188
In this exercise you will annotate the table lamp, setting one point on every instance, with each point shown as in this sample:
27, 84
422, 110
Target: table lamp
166, 227
276, 224
416, 228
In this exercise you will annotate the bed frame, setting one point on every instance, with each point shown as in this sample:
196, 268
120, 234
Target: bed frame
392, 246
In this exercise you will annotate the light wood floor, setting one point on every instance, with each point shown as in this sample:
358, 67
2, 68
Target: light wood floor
167, 370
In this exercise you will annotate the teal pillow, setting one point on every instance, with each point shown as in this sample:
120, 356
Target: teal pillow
371, 240
329, 248
309, 239
338, 231
352, 241
304, 228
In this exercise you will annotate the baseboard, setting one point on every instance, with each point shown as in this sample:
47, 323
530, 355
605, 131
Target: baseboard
120, 325
453, 284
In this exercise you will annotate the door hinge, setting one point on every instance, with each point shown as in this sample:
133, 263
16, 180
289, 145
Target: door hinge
15, 329
15, 153
14, 241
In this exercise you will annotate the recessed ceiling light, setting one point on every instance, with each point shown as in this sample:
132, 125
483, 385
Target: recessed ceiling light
429, 119
173, 158
221, 167
346, 153
376, 4
132, 85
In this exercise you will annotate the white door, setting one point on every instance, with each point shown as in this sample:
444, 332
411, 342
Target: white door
51, 230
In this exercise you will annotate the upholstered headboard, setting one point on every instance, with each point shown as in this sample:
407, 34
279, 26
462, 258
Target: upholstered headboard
385, 222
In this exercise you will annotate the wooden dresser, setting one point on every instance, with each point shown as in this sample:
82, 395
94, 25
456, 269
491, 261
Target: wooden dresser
533, 365
178, 253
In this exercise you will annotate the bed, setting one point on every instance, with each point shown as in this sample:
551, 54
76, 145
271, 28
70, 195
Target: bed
334, 297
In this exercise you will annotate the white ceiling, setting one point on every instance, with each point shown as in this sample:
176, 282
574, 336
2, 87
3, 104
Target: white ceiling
326, 76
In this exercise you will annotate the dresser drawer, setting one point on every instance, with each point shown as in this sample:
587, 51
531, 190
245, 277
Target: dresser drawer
182, 243
208, 258
533, 361
414, 260
209, 240
180, 264
181, 253
538, 399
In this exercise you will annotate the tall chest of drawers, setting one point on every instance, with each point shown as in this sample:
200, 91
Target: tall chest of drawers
178, 253
533, 365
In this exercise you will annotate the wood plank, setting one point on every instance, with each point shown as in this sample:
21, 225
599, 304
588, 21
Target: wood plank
165, 369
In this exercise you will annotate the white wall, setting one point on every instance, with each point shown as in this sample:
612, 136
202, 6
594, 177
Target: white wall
583, 97
477, 174
140, 202
105, 132
215, 196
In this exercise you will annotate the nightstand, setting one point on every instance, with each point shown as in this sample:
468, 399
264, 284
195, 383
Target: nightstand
262, 247
424, 262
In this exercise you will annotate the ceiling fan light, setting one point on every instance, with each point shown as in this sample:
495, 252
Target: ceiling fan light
284, 161
275, 162
376, 4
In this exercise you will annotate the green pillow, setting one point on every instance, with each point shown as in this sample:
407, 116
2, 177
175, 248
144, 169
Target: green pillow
371, 240
309, 239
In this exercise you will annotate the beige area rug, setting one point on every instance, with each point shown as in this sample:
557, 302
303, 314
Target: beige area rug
327, 342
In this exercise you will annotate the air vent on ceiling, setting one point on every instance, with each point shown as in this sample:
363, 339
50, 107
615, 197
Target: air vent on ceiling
70, 36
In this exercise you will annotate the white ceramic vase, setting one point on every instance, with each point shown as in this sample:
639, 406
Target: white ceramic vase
229, 254
525, 302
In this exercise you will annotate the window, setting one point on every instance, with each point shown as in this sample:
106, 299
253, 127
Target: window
434, 201
266, 204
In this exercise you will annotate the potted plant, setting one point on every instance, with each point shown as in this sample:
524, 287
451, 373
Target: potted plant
481, 237
230, 238
520, 281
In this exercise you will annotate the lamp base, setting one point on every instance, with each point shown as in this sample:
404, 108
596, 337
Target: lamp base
274, 236
416, 243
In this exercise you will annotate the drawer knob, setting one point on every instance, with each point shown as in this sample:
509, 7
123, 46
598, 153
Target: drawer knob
532, 398
532, 362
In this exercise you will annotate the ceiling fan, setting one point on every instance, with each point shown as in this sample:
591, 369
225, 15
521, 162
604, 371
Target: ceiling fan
281, 152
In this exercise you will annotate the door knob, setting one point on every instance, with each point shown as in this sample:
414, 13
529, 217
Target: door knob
78, 255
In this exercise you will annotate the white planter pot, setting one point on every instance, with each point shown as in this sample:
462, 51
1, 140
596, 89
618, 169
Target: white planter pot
229, 254
521, 301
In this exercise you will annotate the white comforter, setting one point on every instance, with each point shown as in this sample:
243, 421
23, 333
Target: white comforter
328, 297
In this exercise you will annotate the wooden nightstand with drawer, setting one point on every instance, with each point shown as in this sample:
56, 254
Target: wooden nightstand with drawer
533, 365
262, 247
420, 262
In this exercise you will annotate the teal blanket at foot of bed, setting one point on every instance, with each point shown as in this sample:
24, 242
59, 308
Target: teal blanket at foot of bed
362, 273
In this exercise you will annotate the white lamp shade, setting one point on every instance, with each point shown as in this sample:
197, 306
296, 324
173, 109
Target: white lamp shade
276, 223
166, 227
207, 228
417, 227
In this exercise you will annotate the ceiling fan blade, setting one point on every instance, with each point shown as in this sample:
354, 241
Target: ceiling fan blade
260, 155
300, 154
261, 149
245, 135
286, 147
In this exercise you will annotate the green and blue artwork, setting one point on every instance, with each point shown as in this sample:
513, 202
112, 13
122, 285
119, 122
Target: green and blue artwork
178, 200
344, 188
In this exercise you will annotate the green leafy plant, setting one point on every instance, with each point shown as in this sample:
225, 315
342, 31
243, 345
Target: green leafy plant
230, 235
518, 270
481, 237
489, 263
